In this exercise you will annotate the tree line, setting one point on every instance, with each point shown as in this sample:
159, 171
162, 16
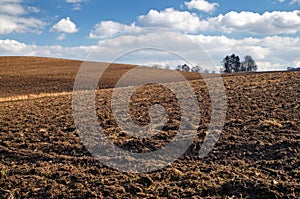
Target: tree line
186, 68
230, 64
195, 69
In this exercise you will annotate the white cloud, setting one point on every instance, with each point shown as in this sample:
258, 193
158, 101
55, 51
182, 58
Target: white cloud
13, 47
12, 9
202, 5
76, 3
296, 63
11, 1
77, 6
295, 2
292, 2
276, 22
12, 18
65, 25
270, 53
173, 19
274, 52
9, 24
267, 66
219, 46
61, 36
147, 46
106, 29
33, 9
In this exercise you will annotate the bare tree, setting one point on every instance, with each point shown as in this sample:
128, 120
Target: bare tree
249, 64
196, 69
206, 70
183, 67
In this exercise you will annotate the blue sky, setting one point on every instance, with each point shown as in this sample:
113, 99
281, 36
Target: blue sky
268, 30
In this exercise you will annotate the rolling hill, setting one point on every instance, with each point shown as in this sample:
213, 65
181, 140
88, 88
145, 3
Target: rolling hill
42, 154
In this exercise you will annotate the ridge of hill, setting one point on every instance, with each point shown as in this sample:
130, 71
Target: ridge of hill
34, 75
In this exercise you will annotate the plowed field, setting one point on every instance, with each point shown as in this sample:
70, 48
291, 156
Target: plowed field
42, 155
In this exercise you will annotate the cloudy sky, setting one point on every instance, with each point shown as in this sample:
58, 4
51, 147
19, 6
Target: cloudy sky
268, 30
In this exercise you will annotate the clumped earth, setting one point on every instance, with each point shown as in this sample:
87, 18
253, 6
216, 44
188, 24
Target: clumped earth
42, 155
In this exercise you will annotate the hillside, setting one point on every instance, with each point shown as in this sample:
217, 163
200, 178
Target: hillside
35, 75
42, 155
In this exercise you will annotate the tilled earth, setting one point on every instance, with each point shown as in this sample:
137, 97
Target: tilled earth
42, 154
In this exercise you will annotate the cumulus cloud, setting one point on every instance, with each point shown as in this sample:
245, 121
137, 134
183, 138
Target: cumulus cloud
11, 46
269, 51
202, 5
10, 24
13, 18
268, 23
17, 48
106, 29
219, 46
12, 9
65, 25
277, 22
173, 19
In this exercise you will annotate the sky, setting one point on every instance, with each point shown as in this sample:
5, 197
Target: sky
267, 30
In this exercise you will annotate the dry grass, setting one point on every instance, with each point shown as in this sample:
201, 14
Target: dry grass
270, 122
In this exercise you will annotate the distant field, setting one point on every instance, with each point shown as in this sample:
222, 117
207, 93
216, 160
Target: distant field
41, 154
35, 75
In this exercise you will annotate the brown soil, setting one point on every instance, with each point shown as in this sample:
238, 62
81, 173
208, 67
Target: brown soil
42, 156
